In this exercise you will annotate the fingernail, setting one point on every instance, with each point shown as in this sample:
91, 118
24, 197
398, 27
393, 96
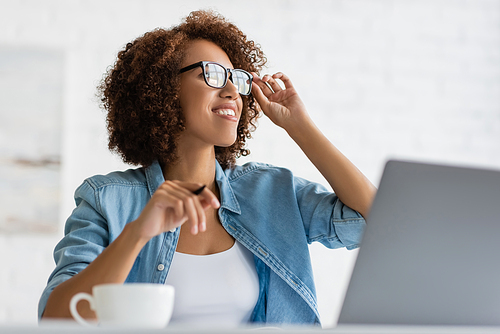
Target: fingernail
194, 230
203, 227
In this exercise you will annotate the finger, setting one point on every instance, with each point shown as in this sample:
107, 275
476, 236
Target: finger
262, 100
274, 85
264, 85
208, 199
170, 219
199, 190
192, 214
175, 209
191, 186
284, 78
200, 210
179, 210
165, 200
192, 211
258, 94
206, 194
202, 220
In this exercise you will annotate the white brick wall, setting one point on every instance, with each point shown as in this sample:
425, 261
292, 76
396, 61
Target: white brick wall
412, 79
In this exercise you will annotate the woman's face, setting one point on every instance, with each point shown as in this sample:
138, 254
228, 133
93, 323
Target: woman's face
211, 114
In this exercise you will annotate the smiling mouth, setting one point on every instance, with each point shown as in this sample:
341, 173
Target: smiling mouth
228, 112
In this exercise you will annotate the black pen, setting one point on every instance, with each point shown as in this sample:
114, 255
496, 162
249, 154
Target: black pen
199, 190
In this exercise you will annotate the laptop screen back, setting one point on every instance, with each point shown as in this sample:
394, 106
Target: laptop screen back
430, 254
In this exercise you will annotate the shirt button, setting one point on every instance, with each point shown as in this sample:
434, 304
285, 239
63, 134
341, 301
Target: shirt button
161, 267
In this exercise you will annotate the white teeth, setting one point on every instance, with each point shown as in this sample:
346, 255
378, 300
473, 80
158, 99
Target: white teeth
229, 112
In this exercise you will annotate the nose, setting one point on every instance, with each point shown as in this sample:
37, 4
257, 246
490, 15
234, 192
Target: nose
229, 91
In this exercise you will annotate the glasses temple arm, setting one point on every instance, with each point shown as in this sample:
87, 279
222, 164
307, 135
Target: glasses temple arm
190, 67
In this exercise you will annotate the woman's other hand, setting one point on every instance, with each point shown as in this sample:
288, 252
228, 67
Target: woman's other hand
283, 106
172, 205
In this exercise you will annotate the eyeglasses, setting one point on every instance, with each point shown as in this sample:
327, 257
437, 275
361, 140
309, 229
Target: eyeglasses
216, 76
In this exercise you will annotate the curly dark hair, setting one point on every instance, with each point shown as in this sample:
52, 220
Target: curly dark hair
141, 91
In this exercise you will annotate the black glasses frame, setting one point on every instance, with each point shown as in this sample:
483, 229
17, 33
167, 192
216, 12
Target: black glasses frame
228, 71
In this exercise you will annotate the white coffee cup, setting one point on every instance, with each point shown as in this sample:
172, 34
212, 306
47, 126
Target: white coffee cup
128, 305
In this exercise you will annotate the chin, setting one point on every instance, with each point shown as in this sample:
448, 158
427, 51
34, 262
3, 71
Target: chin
226, 143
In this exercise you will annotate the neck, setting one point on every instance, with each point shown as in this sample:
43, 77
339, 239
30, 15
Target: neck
195, 165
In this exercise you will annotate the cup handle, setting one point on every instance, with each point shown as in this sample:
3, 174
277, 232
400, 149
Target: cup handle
74, 312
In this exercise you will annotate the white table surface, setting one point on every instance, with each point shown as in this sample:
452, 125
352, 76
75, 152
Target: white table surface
56, 327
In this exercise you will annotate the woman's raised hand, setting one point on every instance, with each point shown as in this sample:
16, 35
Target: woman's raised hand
174, 204
283, 106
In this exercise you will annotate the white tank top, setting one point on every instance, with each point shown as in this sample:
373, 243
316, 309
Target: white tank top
218, 290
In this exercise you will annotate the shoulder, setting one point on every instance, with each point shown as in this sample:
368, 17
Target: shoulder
256, 169
98, 188
128, 178
267, 175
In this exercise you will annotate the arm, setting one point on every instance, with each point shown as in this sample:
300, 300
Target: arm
172, 205
285, 109
111, 266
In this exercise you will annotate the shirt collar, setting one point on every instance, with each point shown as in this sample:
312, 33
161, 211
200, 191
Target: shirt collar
154, 178
228, 199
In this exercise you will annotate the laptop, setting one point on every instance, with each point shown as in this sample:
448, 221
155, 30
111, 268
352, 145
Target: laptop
430, 254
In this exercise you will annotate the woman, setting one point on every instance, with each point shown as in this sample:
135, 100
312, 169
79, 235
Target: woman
231, 239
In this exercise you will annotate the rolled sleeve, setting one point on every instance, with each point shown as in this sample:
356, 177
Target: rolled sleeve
326, 219
86, 236
349, 232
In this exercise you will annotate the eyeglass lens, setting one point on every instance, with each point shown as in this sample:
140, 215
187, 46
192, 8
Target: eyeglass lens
241, 80
216, 77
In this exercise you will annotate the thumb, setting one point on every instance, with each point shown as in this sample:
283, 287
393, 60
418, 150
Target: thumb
257, 93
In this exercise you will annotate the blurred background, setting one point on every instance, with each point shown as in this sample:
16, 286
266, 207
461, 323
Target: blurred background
383, 79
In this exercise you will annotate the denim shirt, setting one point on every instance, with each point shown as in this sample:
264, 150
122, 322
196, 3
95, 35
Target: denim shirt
268, 210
